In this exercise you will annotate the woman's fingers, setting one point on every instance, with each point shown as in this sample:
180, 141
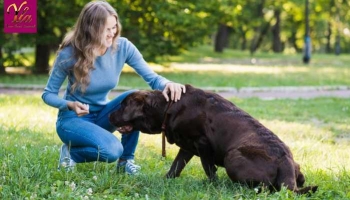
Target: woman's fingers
175, 90
82, 109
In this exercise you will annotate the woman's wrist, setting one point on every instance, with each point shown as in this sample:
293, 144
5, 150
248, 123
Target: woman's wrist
70, 105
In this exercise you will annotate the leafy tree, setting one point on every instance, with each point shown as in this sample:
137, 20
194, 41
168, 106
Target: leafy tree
54, 20
2, 41
230, 20
10, 44
165, 27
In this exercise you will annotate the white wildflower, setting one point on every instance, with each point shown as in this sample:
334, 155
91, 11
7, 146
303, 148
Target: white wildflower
33, 196
72, 186
89, 191
53, 190
85, 198
94, 178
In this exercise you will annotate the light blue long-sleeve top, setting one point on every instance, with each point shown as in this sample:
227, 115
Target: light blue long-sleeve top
103, 78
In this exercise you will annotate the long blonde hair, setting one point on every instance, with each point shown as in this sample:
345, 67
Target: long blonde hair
86, 38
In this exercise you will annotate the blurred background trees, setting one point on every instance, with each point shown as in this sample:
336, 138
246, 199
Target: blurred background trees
166, 27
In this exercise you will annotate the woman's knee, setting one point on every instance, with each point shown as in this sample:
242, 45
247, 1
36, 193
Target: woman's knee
112, 152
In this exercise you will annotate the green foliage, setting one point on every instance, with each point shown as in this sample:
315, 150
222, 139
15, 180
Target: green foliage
329, 19
166, 27
14, 57
55, 18
30, 156
169, 27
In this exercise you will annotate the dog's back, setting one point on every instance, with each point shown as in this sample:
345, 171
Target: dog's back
239, 130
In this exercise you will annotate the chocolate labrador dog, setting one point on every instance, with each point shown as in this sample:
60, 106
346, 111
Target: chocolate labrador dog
221, 134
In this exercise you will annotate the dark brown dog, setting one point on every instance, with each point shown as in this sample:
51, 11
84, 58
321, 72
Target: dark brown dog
221, 134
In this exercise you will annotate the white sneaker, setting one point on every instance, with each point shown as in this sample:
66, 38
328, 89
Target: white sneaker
129, 167
65, 161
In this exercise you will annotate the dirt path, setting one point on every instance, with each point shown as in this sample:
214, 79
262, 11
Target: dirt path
289, 94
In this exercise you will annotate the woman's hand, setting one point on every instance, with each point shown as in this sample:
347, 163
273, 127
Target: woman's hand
79, 108
175, 90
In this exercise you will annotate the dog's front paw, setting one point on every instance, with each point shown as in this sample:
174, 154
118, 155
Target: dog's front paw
170, 175
213, 178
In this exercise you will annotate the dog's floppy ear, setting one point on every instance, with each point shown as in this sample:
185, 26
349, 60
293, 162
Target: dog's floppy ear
153, 99
140, 97
148, 100
134, 105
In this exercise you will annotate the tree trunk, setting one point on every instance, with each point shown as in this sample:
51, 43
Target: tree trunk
293, 41
259, 37
337, 48
221, 39
328, 38
2, 67
244, 40
337, 45
276, 32
42, 56
258, 29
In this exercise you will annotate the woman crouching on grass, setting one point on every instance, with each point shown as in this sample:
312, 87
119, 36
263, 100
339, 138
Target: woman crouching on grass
92, 57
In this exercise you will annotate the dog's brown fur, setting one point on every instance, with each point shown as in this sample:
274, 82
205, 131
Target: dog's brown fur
221, 134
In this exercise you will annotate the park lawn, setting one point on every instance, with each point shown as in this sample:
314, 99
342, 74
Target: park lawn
205, 54
317, 131
202, 67
234, 76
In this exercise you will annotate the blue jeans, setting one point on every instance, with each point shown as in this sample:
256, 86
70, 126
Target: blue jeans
90, 137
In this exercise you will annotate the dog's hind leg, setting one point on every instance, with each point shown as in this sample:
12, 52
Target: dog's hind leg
207, 156
252, 170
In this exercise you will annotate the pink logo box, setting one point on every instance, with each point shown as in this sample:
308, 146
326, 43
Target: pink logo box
20, 16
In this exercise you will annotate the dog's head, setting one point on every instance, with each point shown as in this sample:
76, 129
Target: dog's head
141, 110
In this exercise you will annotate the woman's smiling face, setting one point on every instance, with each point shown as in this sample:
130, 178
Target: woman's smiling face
110, 31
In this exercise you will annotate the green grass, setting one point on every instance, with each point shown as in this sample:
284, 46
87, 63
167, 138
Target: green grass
272, 77
206, 54
202, 67
317, 131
